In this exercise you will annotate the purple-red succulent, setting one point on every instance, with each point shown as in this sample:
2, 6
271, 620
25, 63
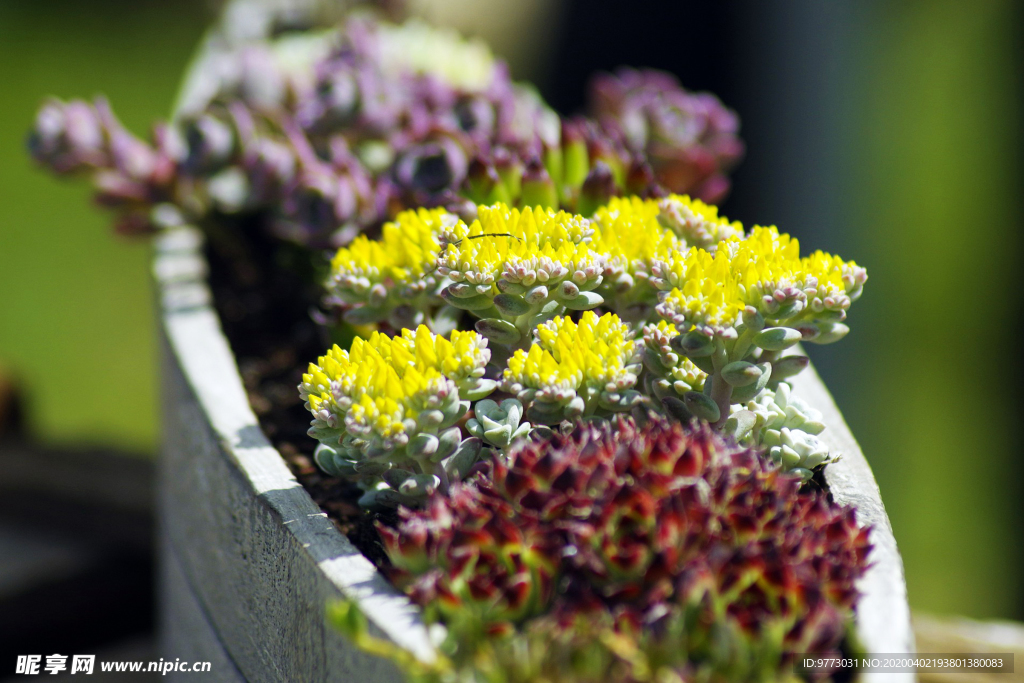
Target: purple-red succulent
131, 176
346, 142
638, 522
689, 139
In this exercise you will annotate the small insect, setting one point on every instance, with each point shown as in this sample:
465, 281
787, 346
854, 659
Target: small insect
489, 234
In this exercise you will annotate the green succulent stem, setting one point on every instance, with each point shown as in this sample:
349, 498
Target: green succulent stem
741, 346
526, 323
721, 391
522, 324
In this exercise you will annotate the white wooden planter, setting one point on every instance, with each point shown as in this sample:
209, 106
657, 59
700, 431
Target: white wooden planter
248, 561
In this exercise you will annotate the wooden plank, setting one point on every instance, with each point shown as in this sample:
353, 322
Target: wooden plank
185, 629
264, 560
883, 615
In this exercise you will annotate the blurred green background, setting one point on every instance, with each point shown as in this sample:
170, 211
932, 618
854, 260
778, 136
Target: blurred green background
935, 210
77, 328
893, 139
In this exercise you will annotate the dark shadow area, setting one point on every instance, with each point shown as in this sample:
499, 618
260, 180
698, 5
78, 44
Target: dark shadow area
76, 550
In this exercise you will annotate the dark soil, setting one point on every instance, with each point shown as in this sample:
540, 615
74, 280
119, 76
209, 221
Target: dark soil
267, 305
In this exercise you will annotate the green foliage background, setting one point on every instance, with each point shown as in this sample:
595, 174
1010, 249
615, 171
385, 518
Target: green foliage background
76, 319
930, 126
930, 385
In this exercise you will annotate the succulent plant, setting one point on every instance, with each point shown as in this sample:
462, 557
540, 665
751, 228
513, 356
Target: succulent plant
727, 311
630, 233
70, 138
682, 549
764, 272
669, 373
498, 424
516, 269
394, 278
689, 139
576, 369
736, 308
78, 138
326, 134
585, 649
785, 426
385, 412
696, 223
573, 165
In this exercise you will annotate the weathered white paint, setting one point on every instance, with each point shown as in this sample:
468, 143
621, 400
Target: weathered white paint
261, 558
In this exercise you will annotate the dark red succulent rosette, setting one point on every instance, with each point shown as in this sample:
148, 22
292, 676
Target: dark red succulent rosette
644, 524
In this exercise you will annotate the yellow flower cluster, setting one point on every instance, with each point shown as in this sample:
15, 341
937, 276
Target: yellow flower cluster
401, 259
764, 271
528, 246
635, 231
636, 234
627, 231
387, 411
384, 386
707, 294
554, 253
834, 277
572, 361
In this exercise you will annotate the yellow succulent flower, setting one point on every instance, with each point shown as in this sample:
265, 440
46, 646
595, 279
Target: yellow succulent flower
637, 234
838, 282
525, 247
707, 292
627, 232
383, 387
401, 261
576, 366
764, 270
